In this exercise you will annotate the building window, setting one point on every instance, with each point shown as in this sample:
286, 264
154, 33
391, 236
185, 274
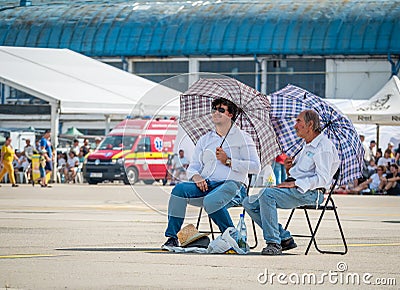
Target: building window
243, 71
158, 71
308, 74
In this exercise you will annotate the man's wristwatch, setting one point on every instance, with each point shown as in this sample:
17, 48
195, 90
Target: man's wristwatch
228, 162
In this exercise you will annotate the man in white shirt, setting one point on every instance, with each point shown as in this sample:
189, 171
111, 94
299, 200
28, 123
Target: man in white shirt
179, 166
28, 149
312, 169
218, 175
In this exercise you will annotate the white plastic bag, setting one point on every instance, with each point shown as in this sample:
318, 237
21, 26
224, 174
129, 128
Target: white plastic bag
226, 242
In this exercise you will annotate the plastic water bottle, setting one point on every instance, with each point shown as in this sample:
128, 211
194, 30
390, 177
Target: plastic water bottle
242, 233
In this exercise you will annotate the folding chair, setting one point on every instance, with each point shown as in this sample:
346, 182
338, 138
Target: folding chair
323, 207
212, 231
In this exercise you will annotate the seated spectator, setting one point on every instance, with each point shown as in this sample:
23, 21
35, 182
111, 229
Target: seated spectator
386, 159
371, 167
378, 155
390, 147
85, 147
28, 149
81, 155
371, 185
71, 167
23, 163
61, 160
397, 156
61, 164
391, 184
179, 166
16, 161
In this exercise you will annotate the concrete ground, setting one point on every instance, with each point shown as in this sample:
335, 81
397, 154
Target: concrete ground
108, 237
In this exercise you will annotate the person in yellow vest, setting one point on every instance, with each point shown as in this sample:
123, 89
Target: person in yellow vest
7, 157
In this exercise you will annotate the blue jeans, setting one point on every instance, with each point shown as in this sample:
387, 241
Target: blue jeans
279, 172
216, 200
264, 210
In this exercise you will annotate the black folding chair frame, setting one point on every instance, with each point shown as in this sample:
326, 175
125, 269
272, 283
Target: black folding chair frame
212, 231
313, 232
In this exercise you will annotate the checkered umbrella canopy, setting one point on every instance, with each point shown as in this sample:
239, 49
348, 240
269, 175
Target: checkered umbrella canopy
290, 101
195, 110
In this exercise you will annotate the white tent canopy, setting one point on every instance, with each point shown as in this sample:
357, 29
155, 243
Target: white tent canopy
76, 84
382, 109
378, 117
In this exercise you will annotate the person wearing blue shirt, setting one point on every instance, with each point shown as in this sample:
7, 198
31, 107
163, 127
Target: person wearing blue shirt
217, 174
46, 145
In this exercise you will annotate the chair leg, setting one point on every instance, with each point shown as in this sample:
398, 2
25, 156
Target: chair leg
255, 235
211, 227
254, 232
344, 252
289, 219
314, 232
199, 218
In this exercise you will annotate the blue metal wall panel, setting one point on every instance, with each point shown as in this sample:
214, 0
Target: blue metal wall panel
313, 27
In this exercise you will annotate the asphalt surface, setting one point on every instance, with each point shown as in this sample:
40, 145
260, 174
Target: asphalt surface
109, 236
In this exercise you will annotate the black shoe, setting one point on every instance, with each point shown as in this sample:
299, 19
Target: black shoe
171, 242
15, 185
272, 249
288, 244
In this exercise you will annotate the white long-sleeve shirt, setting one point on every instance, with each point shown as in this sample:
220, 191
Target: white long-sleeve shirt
316, 164
238, 146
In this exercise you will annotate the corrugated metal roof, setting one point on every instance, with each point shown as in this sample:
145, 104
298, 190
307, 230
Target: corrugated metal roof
175, 28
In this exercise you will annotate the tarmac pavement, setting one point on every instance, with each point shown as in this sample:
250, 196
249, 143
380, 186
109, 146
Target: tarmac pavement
109, 236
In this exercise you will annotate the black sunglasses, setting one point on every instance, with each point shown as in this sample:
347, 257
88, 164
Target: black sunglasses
221, 110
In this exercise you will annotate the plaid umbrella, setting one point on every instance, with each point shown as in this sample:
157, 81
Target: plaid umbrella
290, 101
195, 117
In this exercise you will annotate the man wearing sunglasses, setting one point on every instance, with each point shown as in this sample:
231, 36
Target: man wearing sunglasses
218, 175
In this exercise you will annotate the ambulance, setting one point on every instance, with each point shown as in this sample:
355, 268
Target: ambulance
136, 149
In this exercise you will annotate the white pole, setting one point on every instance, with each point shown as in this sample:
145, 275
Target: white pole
108, 121
194, 67
55, 121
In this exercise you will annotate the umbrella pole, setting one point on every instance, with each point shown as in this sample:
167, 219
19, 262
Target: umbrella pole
232, 122
377, 135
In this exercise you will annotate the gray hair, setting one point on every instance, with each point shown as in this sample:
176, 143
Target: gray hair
310, 115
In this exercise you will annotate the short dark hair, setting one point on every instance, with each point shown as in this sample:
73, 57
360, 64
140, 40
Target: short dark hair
372, 141
394, 165
47, 131
232, 108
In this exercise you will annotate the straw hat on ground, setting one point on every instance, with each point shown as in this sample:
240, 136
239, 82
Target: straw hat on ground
189, 234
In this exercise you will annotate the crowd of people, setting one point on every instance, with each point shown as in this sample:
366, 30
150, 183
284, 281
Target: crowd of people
14, 161
381, 174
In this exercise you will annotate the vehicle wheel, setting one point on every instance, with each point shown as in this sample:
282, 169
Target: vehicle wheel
148, 181
131, 175
91, 181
